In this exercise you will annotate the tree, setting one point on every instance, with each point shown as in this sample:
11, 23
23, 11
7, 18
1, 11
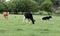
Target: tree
46, 6
2, 1
56, 2
3, 6
39, 1
23, 5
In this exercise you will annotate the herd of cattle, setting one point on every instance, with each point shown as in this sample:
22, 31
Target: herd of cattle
28, 16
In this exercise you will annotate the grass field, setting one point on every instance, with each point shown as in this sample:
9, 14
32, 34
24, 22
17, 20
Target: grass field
15, 27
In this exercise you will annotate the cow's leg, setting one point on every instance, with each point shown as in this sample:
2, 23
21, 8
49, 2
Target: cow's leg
6, 17
29, 21
24, 18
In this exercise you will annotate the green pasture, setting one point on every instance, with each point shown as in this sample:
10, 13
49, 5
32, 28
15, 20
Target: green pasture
15, 26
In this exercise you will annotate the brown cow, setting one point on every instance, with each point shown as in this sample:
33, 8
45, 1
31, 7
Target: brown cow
6, 15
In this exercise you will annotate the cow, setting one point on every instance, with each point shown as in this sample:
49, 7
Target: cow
5, 14
47, 18
29, 16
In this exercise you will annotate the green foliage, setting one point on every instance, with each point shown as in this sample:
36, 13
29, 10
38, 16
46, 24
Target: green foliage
46, 6
58, 10
56, 2
16, 27
2, 7
23, 5
39, 1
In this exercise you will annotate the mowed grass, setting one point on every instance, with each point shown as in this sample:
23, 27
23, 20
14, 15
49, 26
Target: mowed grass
15, 26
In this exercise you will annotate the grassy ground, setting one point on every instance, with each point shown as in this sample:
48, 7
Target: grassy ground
15, 27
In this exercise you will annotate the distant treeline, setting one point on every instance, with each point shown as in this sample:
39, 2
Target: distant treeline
16, 6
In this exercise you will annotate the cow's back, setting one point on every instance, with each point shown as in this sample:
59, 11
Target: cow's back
28, 15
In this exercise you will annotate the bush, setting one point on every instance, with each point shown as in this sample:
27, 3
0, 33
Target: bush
46, 6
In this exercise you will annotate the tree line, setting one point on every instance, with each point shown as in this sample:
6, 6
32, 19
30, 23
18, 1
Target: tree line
17, 6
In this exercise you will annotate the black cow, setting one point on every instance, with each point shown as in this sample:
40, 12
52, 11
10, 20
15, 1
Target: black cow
46, 18
29, 16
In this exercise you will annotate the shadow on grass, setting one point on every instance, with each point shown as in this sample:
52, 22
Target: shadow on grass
42, 30
2, 31
19, 29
